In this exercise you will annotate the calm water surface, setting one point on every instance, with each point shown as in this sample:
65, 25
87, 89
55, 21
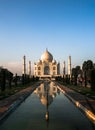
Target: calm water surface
46, 108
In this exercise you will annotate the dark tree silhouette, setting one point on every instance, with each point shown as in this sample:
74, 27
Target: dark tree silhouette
5, 75
92, 79
15, 79
10, 78
87, 67
3, 79
75, 72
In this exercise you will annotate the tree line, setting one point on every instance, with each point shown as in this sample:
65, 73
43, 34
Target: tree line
8, 80
81, 76
5, 78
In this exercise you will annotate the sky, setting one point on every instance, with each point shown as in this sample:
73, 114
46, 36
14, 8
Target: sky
28, 27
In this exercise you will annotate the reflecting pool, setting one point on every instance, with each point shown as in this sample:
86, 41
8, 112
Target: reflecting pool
47, 108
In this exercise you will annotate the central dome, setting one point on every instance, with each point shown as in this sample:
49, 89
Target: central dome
46, 56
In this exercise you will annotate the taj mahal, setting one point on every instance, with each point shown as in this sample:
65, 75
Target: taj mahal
47, 66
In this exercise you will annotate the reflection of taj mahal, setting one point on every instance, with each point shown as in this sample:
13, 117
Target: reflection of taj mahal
46, 67
44, 89
47, 91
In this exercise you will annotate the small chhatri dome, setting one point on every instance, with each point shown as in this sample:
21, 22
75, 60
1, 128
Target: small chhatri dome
46, 56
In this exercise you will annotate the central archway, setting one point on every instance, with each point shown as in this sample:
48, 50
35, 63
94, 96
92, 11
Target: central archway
46, 70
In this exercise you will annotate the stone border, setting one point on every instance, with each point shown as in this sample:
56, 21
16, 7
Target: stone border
88, 113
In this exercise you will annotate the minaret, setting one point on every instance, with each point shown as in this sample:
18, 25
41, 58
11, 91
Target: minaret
69, 66
29, 69
64, 68
24, 66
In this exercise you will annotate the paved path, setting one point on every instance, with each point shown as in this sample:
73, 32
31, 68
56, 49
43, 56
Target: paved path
85, 101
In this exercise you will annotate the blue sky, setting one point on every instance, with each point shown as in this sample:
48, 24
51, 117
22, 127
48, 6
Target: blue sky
28, 27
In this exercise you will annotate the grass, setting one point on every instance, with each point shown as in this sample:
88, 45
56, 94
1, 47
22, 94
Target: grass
8, 92
81, 89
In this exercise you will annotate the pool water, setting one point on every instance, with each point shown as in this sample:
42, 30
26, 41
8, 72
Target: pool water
47, 108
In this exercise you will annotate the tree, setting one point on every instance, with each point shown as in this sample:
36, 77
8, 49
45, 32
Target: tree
5, 75
92, 79
3, 79
75, 72
10, 77
87, 67
15, 79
